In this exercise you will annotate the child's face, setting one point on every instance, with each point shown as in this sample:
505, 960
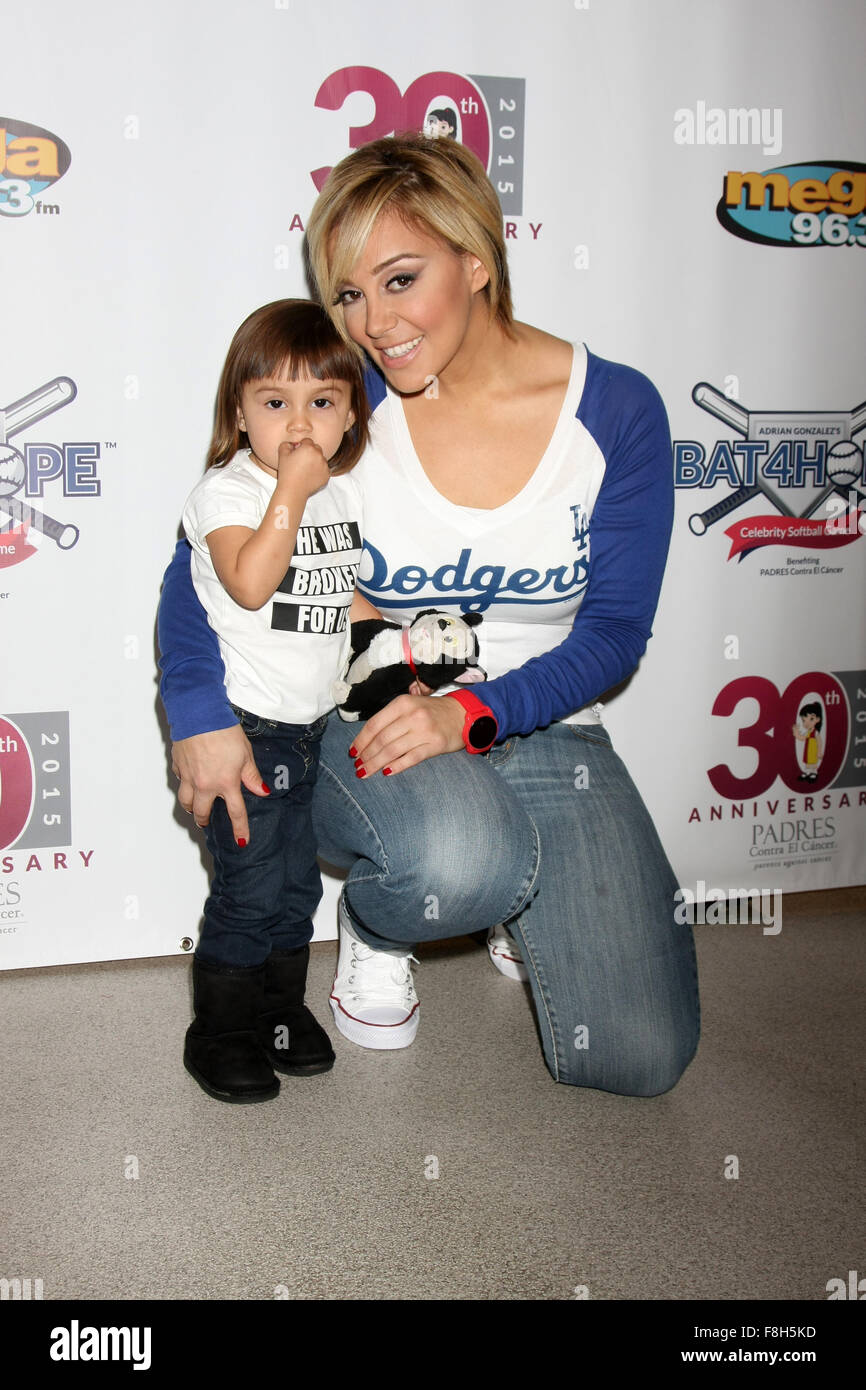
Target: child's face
275, 410
809, 722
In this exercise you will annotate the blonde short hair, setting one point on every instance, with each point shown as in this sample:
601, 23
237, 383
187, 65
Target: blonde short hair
437, 185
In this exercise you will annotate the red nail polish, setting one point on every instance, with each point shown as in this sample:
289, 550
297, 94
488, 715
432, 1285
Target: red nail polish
266, 788
242, 843
353, 752
386, 772
360, 770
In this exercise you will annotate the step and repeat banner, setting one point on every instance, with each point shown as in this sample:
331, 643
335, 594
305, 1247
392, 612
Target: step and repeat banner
683, 188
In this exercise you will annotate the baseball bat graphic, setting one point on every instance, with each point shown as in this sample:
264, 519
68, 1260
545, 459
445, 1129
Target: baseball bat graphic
65, 536
39, 403
16, 417
732, 414
858, 418
708, 398
711, 400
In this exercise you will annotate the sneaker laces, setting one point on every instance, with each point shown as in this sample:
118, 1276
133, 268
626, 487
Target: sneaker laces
502, 941
386, 979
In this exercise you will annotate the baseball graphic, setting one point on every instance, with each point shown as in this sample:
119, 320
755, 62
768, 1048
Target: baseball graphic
711, 400
14, 418
844, 464
11, 469
844, 459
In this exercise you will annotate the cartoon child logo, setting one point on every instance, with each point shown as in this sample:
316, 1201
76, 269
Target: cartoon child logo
441, 124
807, 731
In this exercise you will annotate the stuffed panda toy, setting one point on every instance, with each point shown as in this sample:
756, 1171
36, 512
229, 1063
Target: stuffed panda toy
436, 649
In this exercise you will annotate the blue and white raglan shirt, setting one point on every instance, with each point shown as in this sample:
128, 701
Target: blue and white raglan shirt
566, 575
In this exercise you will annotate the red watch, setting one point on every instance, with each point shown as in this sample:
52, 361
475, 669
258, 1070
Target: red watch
480, 726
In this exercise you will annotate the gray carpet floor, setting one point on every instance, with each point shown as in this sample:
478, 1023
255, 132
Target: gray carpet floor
327, 1192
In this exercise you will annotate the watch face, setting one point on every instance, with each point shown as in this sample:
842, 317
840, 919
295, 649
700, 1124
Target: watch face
483, 732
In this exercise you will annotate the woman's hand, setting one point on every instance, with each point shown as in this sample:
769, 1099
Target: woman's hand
216, 764
408, 730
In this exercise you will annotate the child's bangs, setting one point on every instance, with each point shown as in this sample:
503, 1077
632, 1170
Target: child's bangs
307, 348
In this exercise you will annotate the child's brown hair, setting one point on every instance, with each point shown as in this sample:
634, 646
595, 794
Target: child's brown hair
295, 336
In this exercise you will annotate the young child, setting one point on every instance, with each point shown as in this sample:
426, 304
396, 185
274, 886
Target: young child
809, 734
275, 530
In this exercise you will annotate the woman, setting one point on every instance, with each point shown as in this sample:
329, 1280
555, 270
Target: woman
517, 475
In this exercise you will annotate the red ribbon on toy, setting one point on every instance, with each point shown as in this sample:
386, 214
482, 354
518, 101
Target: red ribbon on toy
407, 653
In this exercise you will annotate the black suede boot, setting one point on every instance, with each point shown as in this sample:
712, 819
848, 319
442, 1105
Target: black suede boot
294, 1042
222, 1049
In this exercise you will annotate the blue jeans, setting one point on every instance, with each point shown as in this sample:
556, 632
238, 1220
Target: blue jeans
263, 896
549, 834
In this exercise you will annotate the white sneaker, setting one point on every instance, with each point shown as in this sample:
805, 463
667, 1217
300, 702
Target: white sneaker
373, 997
505, 954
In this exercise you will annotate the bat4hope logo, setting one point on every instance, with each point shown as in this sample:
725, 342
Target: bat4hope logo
73, 463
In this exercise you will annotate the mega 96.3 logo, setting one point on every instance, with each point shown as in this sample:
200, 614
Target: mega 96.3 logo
35, 804
31, 160
811, 735
484, 113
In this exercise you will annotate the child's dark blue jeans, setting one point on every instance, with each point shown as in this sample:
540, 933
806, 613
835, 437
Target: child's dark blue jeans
263, 895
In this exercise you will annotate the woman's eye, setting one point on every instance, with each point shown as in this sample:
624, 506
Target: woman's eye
347, 297
401, 282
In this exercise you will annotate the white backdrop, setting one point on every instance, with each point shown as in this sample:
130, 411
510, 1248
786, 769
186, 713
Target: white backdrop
192, 131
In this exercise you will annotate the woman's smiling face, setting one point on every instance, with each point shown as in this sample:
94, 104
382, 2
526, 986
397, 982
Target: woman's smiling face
409, 302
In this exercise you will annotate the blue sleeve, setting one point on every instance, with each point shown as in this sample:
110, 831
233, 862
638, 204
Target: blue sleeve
374, 385
630, 532
192, 684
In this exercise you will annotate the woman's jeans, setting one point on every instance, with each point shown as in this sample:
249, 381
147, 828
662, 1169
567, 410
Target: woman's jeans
549, 834
263, 895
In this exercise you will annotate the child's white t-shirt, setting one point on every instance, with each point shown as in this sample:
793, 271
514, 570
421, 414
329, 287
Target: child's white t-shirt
282, 658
